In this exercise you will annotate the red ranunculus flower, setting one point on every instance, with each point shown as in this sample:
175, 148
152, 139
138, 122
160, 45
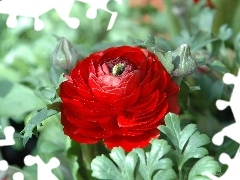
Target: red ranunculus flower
119, 95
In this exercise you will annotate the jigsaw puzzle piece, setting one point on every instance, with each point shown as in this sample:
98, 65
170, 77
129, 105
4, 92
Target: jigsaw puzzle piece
231, 131
234, 100
232, 172
25, 8
4, 167
221, 104
63, 8
233, 103
229, 78
9, 140
36, 8
95, 5
44, 170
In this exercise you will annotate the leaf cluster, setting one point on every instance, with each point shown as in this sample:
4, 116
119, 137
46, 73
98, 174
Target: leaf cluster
51, 109
158, 162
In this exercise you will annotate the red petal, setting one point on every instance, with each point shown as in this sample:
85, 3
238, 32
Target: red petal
127, 101
116, 52
150, 87
103, 96
147, 103
68, 90
96, 132
173, 103
130, 142
133, 83
134, 58
143, 68
80, 78
70, 129
171, 87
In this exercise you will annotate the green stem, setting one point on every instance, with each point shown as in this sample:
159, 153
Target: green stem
87, 154
180, 173
173, 27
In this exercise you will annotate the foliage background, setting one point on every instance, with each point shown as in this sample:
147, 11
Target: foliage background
213, 35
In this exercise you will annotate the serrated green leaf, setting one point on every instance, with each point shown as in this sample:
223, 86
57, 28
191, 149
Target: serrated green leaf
203, 166
186, 133
166, 174
173, 130
153, 161
126, 164
205, 19
148, 43
194, 149
104, 168
224, 32
35, 121
200, 39
187, 142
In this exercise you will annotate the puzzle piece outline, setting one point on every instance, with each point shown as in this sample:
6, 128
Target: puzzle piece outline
62, 7
9, 136
44, 170
230, 131
4, 167
96, 4
8, 141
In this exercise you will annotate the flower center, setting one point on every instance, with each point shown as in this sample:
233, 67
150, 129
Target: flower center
118, 69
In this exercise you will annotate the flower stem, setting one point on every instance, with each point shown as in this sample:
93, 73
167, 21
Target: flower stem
180, 173
91, 151
87, 154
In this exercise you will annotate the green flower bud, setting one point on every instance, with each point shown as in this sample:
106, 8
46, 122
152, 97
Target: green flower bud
64, 55
183, 61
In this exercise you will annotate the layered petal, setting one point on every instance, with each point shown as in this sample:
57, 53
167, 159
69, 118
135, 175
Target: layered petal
130, 142
122, 109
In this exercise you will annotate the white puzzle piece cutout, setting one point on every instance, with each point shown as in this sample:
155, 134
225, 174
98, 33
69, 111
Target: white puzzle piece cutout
4, 167
101, 4
232, 131
8, 132
44, 171
232, 172
36, 8
8, 141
